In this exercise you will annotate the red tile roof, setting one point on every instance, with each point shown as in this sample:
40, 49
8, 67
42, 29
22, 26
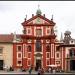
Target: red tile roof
6, 38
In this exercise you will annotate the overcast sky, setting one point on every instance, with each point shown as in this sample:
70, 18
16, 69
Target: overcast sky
12, 14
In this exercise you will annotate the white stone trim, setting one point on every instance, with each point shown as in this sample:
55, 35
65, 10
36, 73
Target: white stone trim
24, 51
42, 30
34, 31
42, 48
52, 50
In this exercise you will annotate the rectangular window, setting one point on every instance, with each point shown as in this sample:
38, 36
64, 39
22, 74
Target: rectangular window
1, 50
48, 31
57, 55
19, 55
29, 62
29, 48
19, 63
48, 48
19, 48
48, 55
38, 32
29, 31
57, 48
70, 53
38, 46
29, 55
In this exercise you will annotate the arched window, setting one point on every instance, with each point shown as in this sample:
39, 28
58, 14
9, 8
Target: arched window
38, 45
48, 48
29, 48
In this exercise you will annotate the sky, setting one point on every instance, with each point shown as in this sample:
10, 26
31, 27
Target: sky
13, 13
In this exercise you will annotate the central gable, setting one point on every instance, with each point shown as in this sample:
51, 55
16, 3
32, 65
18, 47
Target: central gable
38, 19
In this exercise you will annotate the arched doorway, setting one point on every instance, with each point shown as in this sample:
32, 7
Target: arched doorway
38, 61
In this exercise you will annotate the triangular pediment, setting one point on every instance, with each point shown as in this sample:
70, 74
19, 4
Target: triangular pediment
39, 19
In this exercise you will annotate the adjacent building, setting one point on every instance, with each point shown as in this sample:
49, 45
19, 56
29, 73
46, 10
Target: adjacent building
6, 50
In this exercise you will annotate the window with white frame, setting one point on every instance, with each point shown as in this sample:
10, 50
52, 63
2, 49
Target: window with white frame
29, 48
29, 55
29, 62
38, 32
38, 46
29, 31
19, 62
19, 48
19, 55
47, 55
48, 31
57, 55
57, 48
48, 47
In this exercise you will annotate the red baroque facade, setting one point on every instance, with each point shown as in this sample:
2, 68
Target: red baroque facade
37, 46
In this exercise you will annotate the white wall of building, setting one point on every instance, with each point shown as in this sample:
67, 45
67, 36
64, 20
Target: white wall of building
7, 54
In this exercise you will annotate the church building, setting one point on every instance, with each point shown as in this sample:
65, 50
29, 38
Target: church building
38, 46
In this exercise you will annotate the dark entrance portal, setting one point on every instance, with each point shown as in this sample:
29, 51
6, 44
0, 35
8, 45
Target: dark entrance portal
72, 65
1, 64
38, 64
